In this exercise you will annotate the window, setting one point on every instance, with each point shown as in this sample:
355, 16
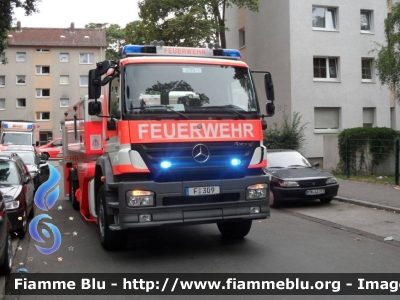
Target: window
2, 80
367, 70
64, 102
2, 104
42, 70
242, 39
64, 79
83, 80
21, 102
64, 57
324, 17
366, 20
43, 116
41, 93
326, 68
326, 118
43, 50
86, 58
368, 116
21, 56
21, 79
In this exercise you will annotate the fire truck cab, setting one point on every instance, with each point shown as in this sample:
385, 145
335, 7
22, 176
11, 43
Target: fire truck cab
192, 154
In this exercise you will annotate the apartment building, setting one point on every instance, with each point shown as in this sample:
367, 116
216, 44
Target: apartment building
319, 54
46, 72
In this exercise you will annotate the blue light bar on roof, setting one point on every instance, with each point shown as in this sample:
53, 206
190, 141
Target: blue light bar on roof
231, 53
30, 126
131, 49
5, 125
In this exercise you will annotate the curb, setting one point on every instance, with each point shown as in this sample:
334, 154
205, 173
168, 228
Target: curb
368, 204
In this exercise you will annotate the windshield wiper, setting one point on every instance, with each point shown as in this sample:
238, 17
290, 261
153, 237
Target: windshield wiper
228, 109
275, 167
4, 184
158, 106
303, 166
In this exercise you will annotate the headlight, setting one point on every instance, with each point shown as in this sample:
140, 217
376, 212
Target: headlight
288, 183
257, 191
12, 205
331, 180
137, 198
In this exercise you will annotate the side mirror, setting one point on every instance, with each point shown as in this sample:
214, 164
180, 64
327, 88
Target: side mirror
95, 108
270, 108
269, 86
94, 85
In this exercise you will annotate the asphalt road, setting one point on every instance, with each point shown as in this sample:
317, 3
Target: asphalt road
299, 238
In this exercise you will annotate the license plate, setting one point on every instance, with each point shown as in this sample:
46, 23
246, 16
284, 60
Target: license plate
203, 190
315, 192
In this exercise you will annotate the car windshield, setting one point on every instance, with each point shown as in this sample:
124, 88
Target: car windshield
16, 138
8, 173
188, 88
287, 160
27, 157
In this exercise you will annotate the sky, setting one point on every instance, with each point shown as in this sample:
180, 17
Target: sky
60, 14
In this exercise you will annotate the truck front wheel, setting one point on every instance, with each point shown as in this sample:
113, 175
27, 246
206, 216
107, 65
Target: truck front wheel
235, 230
109, 239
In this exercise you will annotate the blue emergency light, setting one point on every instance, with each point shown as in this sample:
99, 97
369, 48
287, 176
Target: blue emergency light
5, 125
30, 126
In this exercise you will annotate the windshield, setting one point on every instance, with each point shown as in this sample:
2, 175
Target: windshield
8, 172
16, 138
27, 157
189, 88
286, 160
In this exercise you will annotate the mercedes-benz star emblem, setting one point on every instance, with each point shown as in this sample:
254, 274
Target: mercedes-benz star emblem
201, 153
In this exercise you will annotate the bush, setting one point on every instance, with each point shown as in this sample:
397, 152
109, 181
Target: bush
288, 136
365, 142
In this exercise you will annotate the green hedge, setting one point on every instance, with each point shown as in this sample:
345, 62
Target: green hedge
375, 141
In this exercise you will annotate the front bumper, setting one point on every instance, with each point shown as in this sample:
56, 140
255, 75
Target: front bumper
173, 207
290, 194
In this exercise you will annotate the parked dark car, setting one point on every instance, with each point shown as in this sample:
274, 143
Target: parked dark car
293, 177
39, 169
18, 189
6, 251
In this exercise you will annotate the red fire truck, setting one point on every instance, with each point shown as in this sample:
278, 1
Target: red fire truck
193, 154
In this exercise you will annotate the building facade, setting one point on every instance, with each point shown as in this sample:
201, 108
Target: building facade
46, 72
319, 54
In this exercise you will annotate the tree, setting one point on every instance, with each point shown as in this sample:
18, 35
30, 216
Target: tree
387, 63
6, 17
183, 22
115, 39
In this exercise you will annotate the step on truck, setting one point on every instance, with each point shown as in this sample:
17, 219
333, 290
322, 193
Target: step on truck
192, 153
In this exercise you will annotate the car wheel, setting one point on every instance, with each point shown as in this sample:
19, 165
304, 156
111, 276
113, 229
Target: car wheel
24, 229
32, 213
5, 267
326, 200
235, 230
73, 185
45, 155
109, 239
274, 202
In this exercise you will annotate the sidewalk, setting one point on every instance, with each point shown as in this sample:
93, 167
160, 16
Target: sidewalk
369, 194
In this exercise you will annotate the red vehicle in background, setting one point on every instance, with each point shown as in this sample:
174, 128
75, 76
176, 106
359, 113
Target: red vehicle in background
52, 149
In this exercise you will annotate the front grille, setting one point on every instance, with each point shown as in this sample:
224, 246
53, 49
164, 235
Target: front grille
184, 200
312, 183
184, 166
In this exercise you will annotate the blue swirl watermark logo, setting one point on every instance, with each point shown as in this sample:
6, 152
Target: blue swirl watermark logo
46, 202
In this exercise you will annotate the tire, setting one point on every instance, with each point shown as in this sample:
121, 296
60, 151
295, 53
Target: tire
24, 229
73, 185
235, 230
326, 200
274, 202
110, 239
5, 267
45, 155
32, 213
